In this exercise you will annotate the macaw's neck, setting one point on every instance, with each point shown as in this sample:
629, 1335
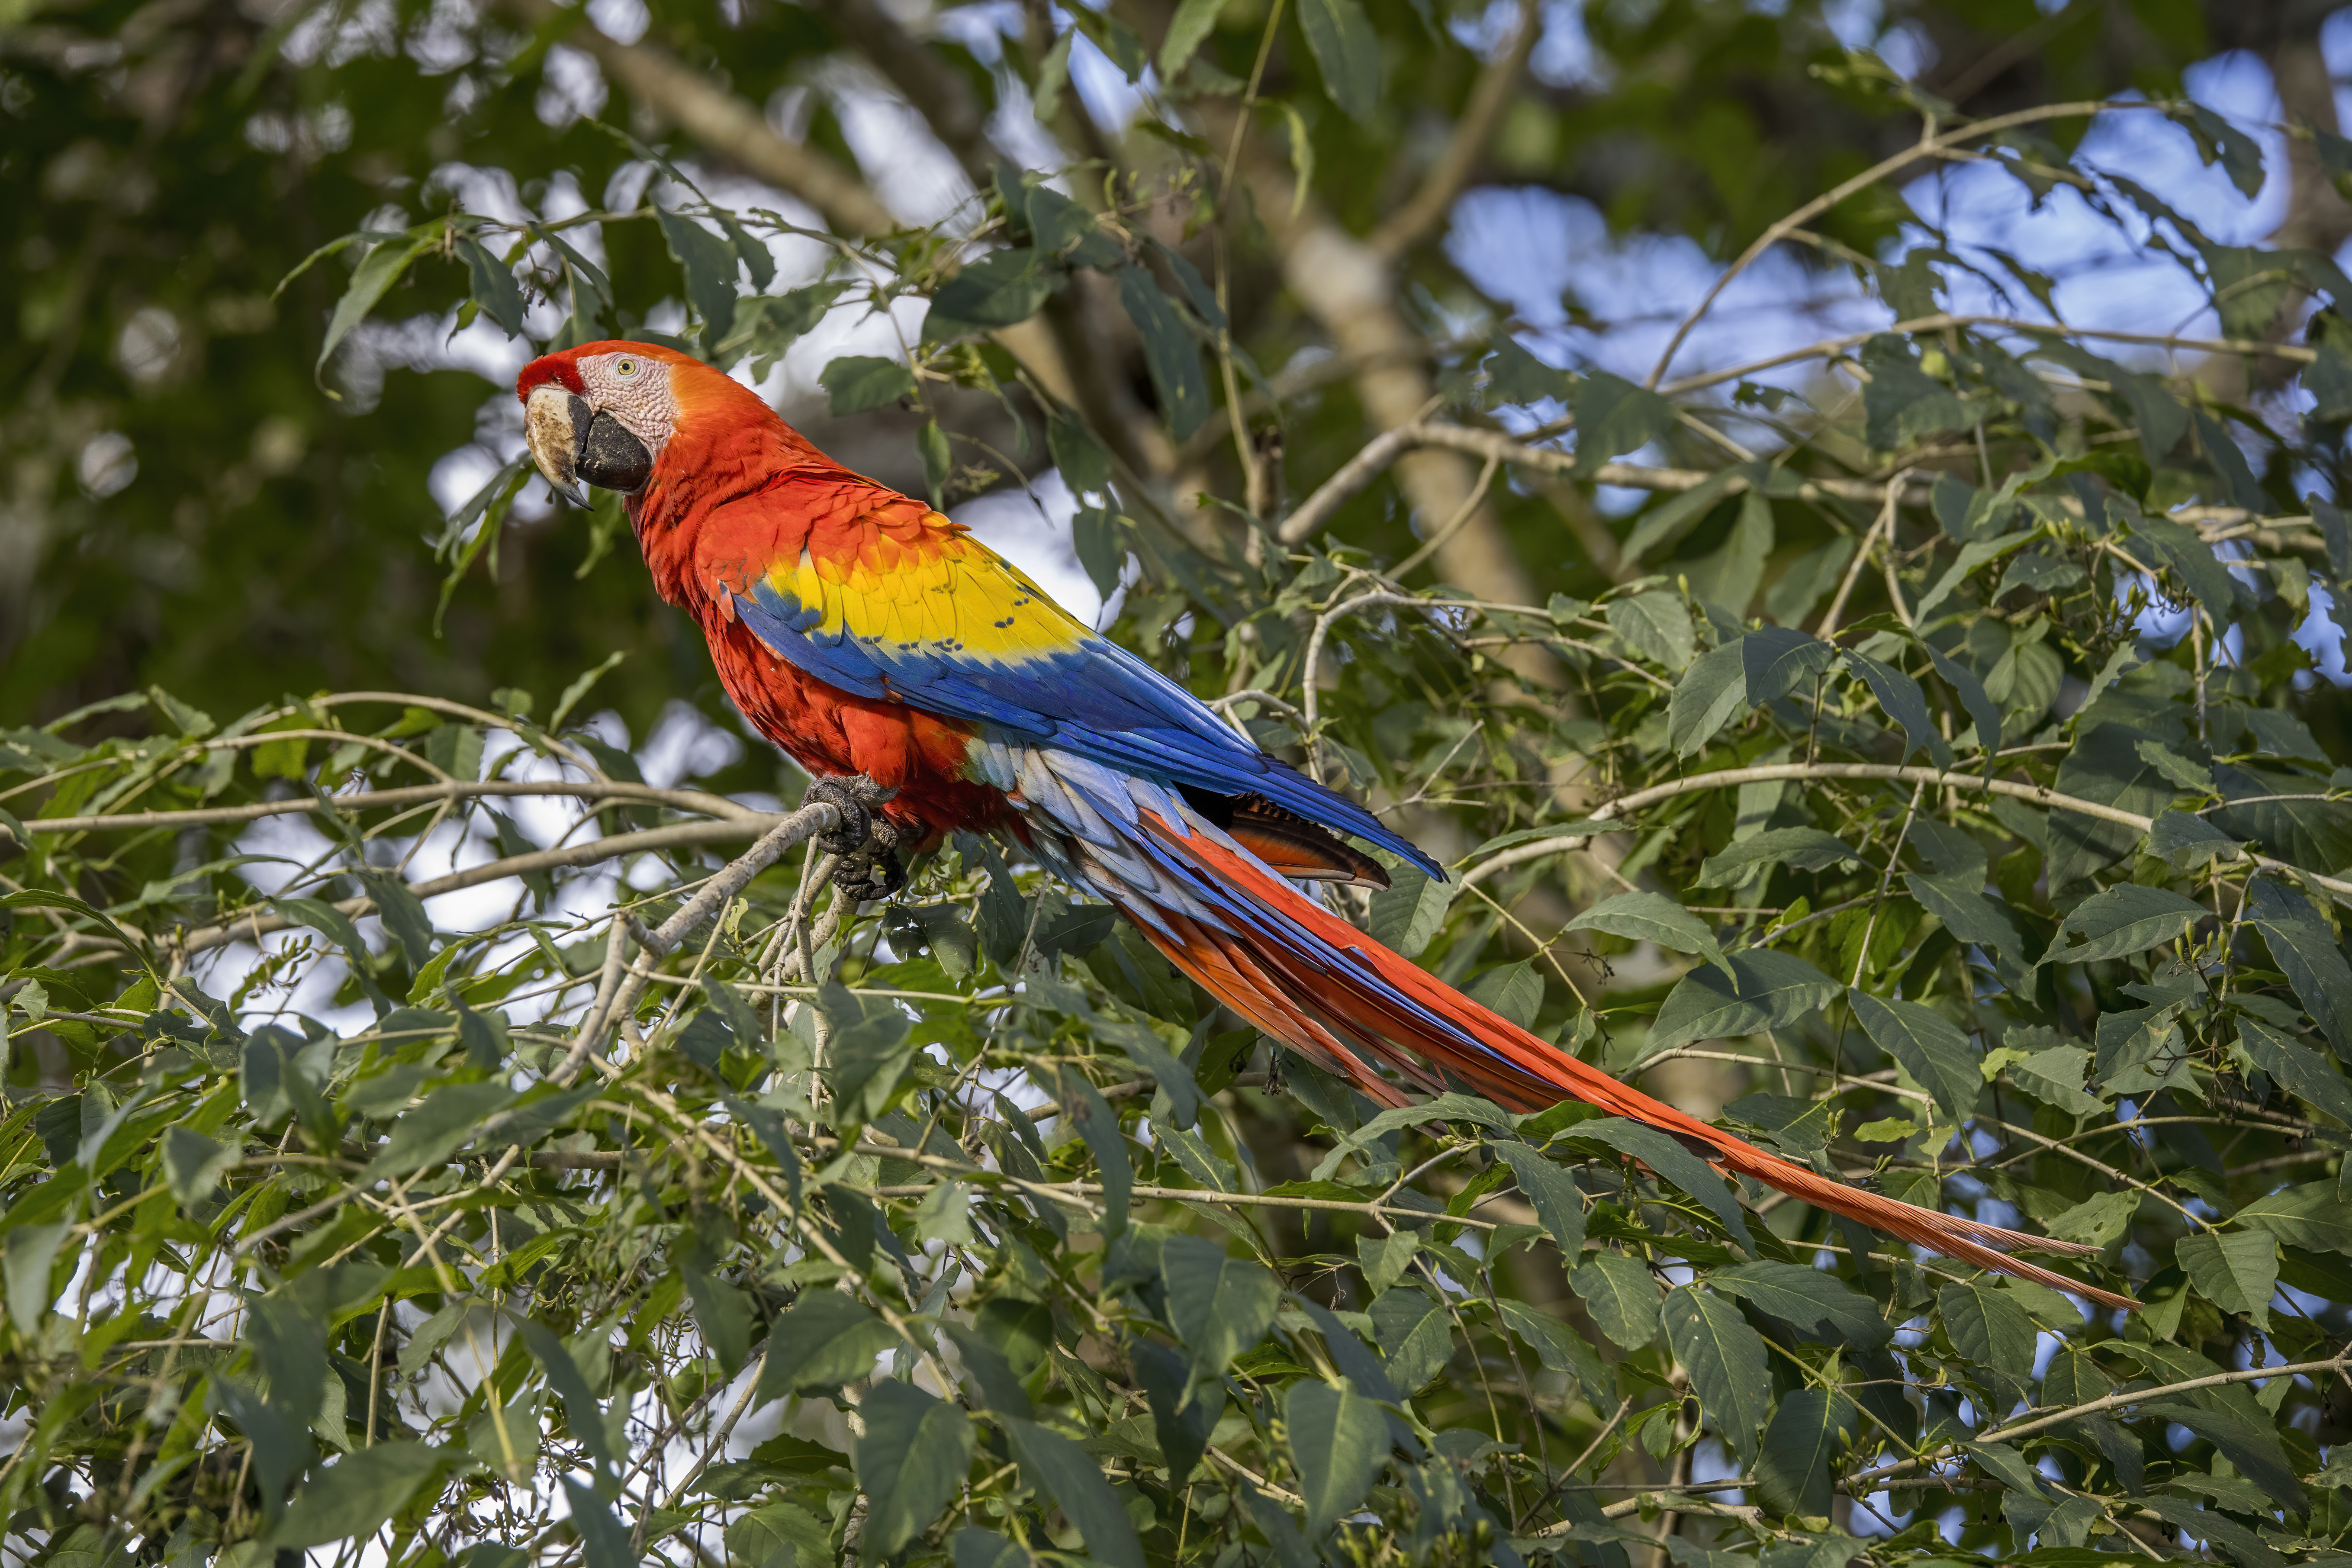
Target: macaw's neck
729, 496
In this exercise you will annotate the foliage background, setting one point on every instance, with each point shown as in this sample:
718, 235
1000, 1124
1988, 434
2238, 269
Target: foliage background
370, 1190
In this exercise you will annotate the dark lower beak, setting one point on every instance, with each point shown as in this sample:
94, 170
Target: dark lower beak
575, 443
610, 457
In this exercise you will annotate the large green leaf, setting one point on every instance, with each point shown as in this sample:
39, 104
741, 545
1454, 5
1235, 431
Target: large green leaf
1672, 1162
2106, 768
1168, 351
1653, 917
1802, 848
910, 1460
1819, 1306
824, 1341
1773, 989
2308, 951
1989, 1327
1347, 51
1808, 1429
2310, 1216
1220, 1304
1552, 1190
355, 1495
2128, 917
1936, 1052
1656, 626
1730, 1369
1339, 1440
2237, 1271
1063, 1471
1622, 1295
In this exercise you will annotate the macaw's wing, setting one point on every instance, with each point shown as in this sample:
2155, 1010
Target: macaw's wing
943, 623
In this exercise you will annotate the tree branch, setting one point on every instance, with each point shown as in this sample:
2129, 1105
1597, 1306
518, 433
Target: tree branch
1420, 216
2049, 798
721, 120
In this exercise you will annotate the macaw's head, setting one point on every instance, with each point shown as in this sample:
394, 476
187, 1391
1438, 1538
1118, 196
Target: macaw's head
602, 414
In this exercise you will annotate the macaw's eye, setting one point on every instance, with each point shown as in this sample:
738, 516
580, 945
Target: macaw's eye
626, 367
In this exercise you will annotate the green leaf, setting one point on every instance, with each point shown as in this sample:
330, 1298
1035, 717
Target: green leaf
1656, 626
1558, 1350
1614, 416
1347, 51
870, 1050
446, 1122
604, 1544
1989, 1327
862, 382
1410, 910
2105, 767
193, 1164
1653, 917
1098, 1125
1339, 1440
1819, 1305
1194, 22
1729, 1367
1711, 694
1772, 989
1553, 1192
1958, 900
1905, 703
2255, 1449
1512, 992
938, 461
1220, 1305
2237, 1271
2307, 950
355, 1495
780, 1535
280, 1447
1983, 711
1168, 351
2055, 1075
1671, 1162
2188, 841
1415, 1335
2297, 1068
583, 1412
999, 289
1622, 1295
493, 284
723, 1313
1934, 1050
2125, 918
1060, 1468
826, 1339
2310, 1216
1809, 1429
1801, 849
914, 1454
378, 270
403, 913
1903, 404
32, 1253
709, 263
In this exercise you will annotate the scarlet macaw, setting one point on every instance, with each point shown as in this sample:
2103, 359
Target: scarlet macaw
870, 636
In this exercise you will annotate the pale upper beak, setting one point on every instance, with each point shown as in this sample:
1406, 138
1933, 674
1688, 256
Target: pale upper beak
573, 442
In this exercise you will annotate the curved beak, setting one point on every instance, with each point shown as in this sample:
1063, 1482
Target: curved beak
575, 442
554, 421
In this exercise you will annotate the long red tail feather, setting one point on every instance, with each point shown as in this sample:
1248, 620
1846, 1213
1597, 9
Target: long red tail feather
1317, 998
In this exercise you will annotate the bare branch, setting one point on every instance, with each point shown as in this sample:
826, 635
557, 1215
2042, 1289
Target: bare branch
1418, 218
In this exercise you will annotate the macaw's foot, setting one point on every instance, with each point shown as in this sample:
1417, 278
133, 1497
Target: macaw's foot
873, 872
865, 841
855, 797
